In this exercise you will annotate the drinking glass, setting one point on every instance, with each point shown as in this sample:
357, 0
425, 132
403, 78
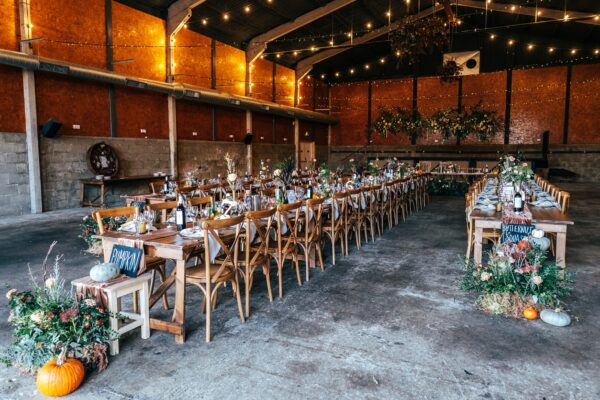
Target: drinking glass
137, 221
150, 216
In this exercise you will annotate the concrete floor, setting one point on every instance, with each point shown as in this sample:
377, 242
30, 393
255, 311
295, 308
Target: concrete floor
387, 322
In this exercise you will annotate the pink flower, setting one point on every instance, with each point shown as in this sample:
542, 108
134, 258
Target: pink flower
485, 276
537, 280
68, 314
11, 293
519, 271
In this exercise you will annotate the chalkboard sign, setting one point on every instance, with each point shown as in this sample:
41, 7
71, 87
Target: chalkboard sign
139, 204
127, 258
515, 232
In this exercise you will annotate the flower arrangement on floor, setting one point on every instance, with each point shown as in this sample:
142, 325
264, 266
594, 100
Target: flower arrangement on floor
89, 228
516, 277
449, 186
48, 320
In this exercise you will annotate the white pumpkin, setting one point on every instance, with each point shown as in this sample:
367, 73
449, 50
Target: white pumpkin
556, 318
542, 242
104, 272
537, 233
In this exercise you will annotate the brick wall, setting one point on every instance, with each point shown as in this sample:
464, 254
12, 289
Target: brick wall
14, 175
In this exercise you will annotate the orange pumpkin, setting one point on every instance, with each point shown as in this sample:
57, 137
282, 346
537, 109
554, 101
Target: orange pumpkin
530, 313
58, 378
523, 244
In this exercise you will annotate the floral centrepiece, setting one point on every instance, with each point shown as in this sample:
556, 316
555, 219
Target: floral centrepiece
517, 275
48, 319
89, 228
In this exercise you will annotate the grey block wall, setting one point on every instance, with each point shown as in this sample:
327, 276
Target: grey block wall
14, 175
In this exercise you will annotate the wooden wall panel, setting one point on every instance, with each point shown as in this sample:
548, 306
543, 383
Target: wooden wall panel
284, 80
67, 26
306, 93
262, 128
194, 117
584, 115
230, 69
387, 94
73, 102
261, 78
284, 130
140, 109
230, 121
433, 95
321, 132
538, 104
12, 112
489, 90
192, 55
9, 15
350, 104
139, 36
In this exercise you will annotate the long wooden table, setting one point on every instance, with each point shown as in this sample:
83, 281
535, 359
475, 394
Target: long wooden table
548, 219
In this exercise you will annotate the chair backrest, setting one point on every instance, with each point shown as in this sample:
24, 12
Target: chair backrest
201, 202
565, 198
260, 221
341, 200
186, 190
164, 208
208, 190
290, 214
355, 206
156, 186
99, 215
312, 227
230, 249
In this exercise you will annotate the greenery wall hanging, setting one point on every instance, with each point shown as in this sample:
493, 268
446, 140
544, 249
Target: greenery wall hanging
419, 37
396, 120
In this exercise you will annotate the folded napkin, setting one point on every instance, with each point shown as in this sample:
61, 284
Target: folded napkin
129, 227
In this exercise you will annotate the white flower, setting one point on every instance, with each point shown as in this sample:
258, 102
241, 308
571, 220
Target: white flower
351, 160
511, 158
11, 293
537, 280
277, 172
50, 283
36, 317
232, 177
90, 302
294, 173
11, 316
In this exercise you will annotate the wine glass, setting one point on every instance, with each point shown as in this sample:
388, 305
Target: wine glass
150, 216
138, 220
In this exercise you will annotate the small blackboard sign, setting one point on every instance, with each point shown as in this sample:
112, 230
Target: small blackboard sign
127, 258
515, 232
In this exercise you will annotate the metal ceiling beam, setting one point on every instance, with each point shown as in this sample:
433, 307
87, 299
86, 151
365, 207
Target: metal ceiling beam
546, 13
178, 13
258, 44
304, 66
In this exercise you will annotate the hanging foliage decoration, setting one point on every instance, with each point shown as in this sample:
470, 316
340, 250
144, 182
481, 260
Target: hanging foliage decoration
396, 120
483, 123
450, 71
414, 38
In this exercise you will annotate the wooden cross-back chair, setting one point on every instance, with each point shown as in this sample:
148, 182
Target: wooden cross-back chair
388, 202
334, 228
286, 242
372, 211
310, 232
256, 250
156, 186
164, 209
355, 220
209, 276
188, 191
209, 190
153, 264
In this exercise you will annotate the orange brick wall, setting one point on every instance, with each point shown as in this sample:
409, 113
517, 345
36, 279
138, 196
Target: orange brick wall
73, 102
140, 109
139, 36
192, 55
349, 103
584, 115
230, 121
66, 26
194, 117
9, 15
262, 126
231, 69
284, 80
388, 94
538, 104
262, 79
284, 129
12, 114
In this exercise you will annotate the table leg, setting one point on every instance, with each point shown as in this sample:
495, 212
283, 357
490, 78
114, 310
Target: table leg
478, 244
561, 249
102, 195
179, 315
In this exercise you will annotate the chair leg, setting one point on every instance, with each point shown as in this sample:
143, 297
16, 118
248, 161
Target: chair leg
280, 276
318, 247
162, 274
247, 283
298, 270
267, 272
236, 288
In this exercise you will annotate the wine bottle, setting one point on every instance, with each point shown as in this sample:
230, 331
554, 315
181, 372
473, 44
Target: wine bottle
166, 185
180, 214
309, 192
518, 202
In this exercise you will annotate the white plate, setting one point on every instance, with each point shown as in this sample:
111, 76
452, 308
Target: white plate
189, 233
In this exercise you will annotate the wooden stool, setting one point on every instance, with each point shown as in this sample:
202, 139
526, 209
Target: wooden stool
114, 293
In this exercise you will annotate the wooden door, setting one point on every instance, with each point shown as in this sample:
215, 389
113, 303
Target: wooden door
307, 154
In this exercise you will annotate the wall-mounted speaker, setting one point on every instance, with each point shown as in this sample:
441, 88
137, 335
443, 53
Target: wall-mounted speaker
50, 128
248, 138
467, 60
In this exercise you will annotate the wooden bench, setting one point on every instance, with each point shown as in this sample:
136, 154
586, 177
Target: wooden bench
103, 184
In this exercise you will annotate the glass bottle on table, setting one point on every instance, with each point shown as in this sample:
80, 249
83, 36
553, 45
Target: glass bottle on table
518, 201
180, 214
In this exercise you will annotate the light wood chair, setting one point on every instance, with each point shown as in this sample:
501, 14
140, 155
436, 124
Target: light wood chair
355, 220
333, 227
310, 233
153, 264
163, 209
286, 248
256, 250
372, 211
156, 186
211, 276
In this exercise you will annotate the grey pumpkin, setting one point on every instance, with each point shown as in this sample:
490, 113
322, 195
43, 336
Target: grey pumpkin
104, 272
555, 318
